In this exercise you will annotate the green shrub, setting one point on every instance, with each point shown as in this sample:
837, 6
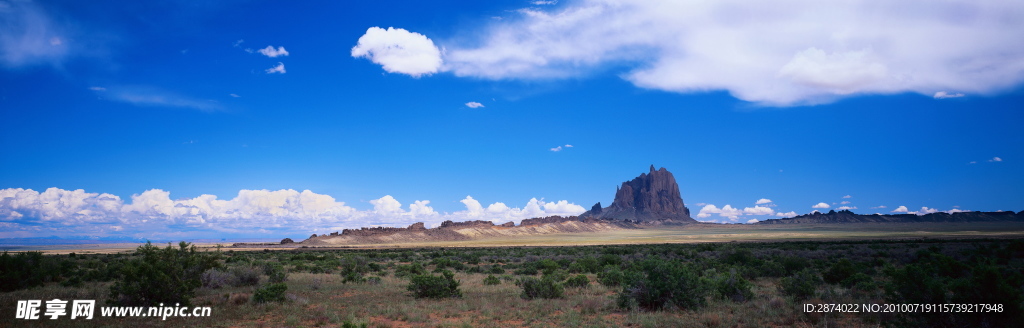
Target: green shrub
840, 271
169, 275
491, 280
585, 265
353, 268
408, 270
557, 275
431, 286
801, 285
496, 269
278, 274
270, 293
656, 284
611, 276
577, 281
540, 288
732, 286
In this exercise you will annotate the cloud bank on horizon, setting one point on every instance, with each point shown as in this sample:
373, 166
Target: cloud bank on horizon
776, 53
28, 213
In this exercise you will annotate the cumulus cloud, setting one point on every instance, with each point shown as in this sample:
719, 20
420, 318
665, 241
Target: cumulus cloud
901, 209
153, 211
277, 69
995, 159
568, 146
846, 208
758, 210
399, 51
847, 196
473, 104
820, 205
726, 211
763, 201
753, 221
945, 95
269, 51
762, 52
556, 149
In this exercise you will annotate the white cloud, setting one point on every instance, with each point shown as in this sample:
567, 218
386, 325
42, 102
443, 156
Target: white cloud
901, 209
758, 210
753, 221
846, 208
844, 202
556, 149
945, 95
237, 43
31, 37
847, 196
234, 95
773, 53
924, 210
283, 210
473, 104
399, 51
97, 88
995, 159
269, 51
787, 214
152, 96
820, 205
973, 162
568, 146
763, 201
726, 211
878, 207
277, 69
544, 2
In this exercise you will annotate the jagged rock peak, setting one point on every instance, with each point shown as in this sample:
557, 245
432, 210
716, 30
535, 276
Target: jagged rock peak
651, 196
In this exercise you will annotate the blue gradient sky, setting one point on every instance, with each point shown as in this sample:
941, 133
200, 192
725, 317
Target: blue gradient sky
123, 97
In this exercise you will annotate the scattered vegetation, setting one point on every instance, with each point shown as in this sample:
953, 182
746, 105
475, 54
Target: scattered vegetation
712, 284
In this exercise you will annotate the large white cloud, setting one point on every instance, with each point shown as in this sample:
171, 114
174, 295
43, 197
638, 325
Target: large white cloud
399, 51
781, 52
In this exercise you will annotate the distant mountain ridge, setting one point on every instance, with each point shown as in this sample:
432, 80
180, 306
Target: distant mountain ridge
846, 216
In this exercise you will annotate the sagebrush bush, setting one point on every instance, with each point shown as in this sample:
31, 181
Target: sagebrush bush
802, 284
270, 293
169, 275
656, 284
577, 281
491, 280
431, 286
409, 270
245, 276
214, 278
540, 288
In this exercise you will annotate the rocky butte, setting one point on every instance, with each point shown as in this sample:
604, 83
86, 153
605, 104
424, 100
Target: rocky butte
651, 198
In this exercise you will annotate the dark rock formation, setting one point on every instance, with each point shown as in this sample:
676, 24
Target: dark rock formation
508, 224
466, 224
546, 220
379, 231
846, 216
313, 236
287, 241
651, 197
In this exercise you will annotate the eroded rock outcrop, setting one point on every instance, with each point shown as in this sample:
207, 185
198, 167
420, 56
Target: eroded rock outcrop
652, 197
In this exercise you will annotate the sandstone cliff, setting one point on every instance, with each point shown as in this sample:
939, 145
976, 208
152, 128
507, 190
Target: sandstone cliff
846, 216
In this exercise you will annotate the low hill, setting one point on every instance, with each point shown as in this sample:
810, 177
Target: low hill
846, 216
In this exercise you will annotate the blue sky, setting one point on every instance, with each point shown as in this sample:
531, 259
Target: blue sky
279, 119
